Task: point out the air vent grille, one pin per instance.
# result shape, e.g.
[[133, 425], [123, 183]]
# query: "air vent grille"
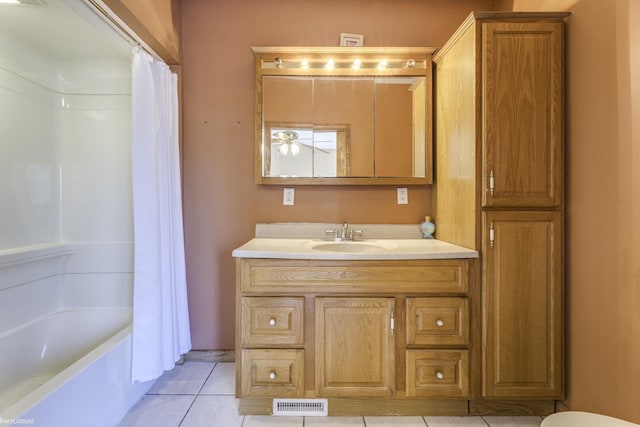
[[301, 407]]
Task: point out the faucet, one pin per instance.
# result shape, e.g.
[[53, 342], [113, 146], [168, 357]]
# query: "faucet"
[[344, 234]]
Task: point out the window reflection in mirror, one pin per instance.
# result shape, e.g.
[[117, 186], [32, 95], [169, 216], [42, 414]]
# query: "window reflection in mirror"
[[298, 151]]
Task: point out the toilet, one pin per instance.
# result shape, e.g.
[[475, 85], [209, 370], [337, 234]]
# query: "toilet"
[[583, 419]]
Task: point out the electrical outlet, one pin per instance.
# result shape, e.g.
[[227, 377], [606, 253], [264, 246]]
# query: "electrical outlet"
[[289, 196], [403, 196]]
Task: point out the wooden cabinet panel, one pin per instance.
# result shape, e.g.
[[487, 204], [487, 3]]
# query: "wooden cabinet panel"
[[455, 206], [437, 321], [522, 101], [523, 310], [437, 373], [354, 347], [507, 73], [419, 276], [272, 321], [272, 373]]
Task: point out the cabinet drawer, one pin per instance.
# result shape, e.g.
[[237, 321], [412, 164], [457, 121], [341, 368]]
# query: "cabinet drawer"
[[272, 373], [437, 321], [330, 276], [272, 321], [437, 373]]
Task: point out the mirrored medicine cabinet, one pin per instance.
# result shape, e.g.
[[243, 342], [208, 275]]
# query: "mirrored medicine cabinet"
[[343, 115]]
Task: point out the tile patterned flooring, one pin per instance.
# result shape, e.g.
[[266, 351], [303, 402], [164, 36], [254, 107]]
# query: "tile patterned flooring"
[[201, 394]]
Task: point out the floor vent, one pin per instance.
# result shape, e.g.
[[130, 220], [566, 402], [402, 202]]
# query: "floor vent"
[[301, 407]]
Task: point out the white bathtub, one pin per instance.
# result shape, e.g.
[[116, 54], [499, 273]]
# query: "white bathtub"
[[583, 419], [68, 368], [65, 334]]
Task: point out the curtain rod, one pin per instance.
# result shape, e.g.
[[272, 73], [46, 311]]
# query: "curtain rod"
[[118, 25]]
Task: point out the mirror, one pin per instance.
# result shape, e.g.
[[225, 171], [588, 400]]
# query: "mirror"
[[343, 115]]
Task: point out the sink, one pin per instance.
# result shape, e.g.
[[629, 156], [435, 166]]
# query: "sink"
[[349, 247]]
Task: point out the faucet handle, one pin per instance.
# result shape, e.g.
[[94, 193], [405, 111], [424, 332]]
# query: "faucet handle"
[[334, 234], [356, 234]]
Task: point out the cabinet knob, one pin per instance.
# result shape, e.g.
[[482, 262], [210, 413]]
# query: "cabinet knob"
[[272, 322], [439, 323], [272, 375], [439, 375]]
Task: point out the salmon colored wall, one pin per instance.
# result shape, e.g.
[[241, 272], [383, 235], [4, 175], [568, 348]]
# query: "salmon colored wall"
[[157, 22], [394, 133], [356, 110], [603, 206], [222, 203], [289, 100]]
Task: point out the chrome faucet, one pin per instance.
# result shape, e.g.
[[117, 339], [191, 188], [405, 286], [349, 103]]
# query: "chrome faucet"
[[344, 234]]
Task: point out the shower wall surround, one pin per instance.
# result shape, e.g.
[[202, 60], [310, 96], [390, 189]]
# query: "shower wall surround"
[[65, 169]]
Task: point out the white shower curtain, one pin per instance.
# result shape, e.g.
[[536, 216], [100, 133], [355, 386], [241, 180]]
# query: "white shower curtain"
[[160, 312]]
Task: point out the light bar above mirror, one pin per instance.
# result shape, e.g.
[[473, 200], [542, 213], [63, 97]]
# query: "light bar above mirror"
[[353, 61]]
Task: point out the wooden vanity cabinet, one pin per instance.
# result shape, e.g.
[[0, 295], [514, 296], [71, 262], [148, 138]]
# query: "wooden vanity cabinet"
[[523, 305], [373, 337], [499, 119], [354, 346]]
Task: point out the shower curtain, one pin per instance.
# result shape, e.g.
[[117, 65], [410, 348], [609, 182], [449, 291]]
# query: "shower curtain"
[[160, 313]]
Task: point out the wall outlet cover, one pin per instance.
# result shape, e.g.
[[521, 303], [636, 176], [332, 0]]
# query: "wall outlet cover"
[[288, 198], [403, 196]]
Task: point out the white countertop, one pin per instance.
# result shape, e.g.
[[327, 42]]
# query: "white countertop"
[[389, 249]]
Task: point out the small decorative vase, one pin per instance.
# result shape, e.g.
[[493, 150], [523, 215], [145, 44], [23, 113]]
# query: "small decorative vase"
[[427, 228]]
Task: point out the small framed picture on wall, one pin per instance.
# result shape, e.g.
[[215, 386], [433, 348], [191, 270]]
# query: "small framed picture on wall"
[[347, 39]]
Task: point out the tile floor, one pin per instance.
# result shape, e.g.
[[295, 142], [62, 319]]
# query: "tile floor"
[[201, 394]]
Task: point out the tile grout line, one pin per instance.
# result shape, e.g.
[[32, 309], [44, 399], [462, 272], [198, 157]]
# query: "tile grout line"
[[197, 394]]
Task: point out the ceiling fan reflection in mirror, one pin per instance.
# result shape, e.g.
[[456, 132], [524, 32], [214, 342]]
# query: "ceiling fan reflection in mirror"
[[290, 143]]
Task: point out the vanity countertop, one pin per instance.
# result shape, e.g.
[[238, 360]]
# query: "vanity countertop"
[[368, 249]]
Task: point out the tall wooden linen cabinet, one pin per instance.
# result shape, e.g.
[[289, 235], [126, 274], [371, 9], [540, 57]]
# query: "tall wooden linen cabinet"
[[499, 137]]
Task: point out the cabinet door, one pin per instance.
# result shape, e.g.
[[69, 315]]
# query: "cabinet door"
[[522, 118], [354, 346], [523, 304]]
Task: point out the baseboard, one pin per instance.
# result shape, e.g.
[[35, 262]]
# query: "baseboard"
[[511, 407], [210, 356], [344, 407]]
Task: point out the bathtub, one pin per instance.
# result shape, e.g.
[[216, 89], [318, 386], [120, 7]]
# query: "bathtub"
[[583, 419], [70, 367], [65, 334]]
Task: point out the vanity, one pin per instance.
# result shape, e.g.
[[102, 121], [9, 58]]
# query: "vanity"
[[379, 326], [471, 324]]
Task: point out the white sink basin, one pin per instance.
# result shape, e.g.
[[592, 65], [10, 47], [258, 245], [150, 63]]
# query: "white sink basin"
[[350, 246]]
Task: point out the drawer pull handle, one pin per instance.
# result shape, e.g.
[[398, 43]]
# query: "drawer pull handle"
[[439, 375], [272, 322], [272, 375], [439, 323], [492, 183]]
